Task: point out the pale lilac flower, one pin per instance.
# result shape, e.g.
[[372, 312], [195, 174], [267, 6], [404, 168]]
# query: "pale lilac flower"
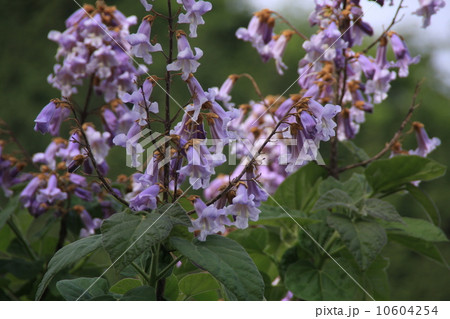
[[146, 5], [278, 49], [50, 118], [210, 220], [52, 193], [146, 199], [193, 15], [325, 119], [28, 194], [427, 9], [401, 52], [90, 224], [260, 29], [426, 145], [243, 207], [140, 42], [99, 144], [186, 61]]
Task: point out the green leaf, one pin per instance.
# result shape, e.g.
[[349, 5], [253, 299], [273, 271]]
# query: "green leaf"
[[420, 246], [380, 209], [20, 268], [176, 214], [126, 236], [376, 279], [356, 187], [300, 190], [124, 285], [82, 288], [66, 256], [359, 154], [390, 174], [426, 202], [228, 262], [143, 293], [364, 239], [195, 284], [276, 216], [252, 239], [417, 228], [11, 207], [335, 198], [310, 283]]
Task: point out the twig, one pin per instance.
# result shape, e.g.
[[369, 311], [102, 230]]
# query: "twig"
[[394, 21], [394, 139], [100, 176], [301, 35]]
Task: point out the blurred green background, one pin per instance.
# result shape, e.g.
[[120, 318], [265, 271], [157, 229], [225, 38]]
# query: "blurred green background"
[[27, 57]]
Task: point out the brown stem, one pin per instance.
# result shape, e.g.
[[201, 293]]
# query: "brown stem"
[[168, 79], [301, 35], [394, 139], [394, 21], [85, 112], [87, 146]]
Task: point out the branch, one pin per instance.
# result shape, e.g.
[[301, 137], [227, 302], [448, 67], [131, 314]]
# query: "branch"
[[394, 139], [394, 21], [301, 35], [100, 176]]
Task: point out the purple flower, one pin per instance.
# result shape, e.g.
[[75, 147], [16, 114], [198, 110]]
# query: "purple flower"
[[260, 29], [140, 41], [427, 9], [52, 193], [426, 145], [288, 297], [278, 49], [90, 224], [186, 61], [210, 220], [198, 96], [146, 199], [402, 54], [99, 144], [259, 194], [146, 5], [50, 118], [243, 207], [223, 94], [193, 15], [325, 119], [27, 195]]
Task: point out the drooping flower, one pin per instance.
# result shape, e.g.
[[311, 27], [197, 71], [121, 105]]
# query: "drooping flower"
[[140, 41], [193, 15], [50, 118], [427, 9], [243, 207], [186, 61], [90, 224], [51, 193], [404, 59], [146, 199], [425, 144], [210, 220]]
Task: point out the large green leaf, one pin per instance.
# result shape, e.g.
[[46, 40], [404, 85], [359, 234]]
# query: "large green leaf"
[[380, 209], [390, 174], [308, 282], [252, 239], [426, 202], [358, 153], [228, 262], [364, 239], [176, 214], [356, 186], [299, 190], [66, 256], [277, 216], [417, 228], [335, 198], [195, 284], [11, 207], [126, 236], [423, 247], [82, 288], [124, 285]]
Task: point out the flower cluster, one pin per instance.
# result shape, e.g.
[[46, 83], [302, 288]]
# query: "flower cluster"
[[94, 47], [275, 136]]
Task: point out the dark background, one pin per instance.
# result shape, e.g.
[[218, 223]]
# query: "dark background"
[[27, 57]]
